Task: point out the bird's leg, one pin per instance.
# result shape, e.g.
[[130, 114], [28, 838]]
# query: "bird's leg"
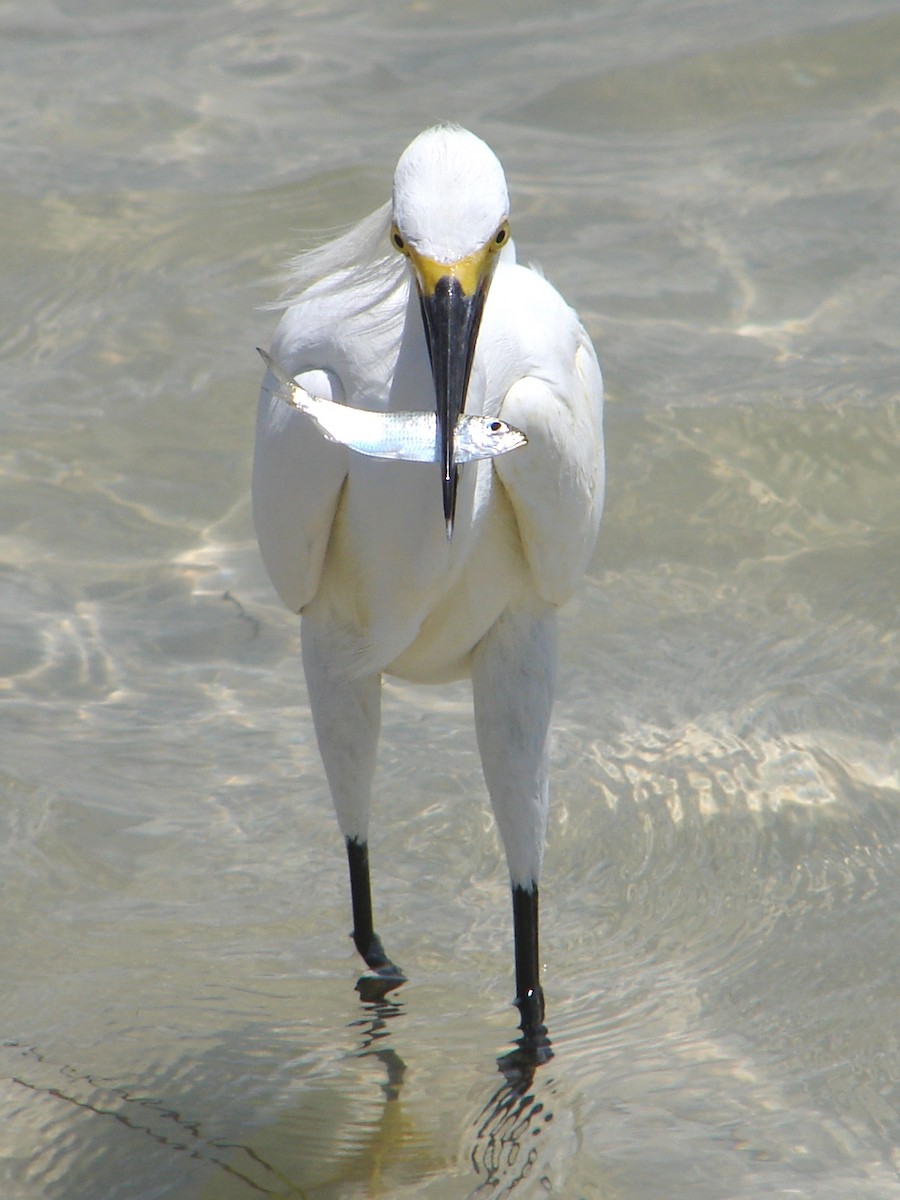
[[385, 975], [364, 936], [529, 993], [347, 716], [513, 675]]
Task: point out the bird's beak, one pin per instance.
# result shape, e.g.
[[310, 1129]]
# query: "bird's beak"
[[452, 296]]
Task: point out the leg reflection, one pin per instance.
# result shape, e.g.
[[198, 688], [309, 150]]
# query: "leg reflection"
[[508, 1129], [375, 1028]]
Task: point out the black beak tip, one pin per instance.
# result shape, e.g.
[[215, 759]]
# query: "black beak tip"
[[449, 496]]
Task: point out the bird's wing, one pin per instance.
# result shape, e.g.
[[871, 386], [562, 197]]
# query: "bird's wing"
[[297, 479], [555, 484], [341, 332]]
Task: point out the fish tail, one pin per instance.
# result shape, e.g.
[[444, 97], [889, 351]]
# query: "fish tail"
[[287, 389]]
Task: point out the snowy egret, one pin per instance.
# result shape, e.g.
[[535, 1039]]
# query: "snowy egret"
[[422, 307]]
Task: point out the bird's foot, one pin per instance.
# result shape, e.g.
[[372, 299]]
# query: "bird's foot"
[[533, 1048], [373, 986], [382, 976]]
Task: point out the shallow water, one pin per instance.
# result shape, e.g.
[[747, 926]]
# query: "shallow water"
[[714, 188]]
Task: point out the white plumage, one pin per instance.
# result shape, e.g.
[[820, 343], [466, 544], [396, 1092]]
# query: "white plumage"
[[360, 547]]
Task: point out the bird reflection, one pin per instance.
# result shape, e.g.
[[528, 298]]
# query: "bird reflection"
[[333, 1140], [375, 1029], [506, 1146], [394, 1148]]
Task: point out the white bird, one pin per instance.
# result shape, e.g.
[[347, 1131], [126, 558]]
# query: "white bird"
[[431, 572]]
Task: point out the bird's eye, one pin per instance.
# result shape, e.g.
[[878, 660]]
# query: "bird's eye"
[[501, 235], [397, 240]]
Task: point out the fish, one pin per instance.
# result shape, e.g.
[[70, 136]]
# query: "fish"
[[406, 436]]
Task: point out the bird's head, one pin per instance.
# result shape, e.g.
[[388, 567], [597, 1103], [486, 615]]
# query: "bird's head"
[[450, 219]]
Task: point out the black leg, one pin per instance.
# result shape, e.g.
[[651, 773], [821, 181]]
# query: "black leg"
[[529, 994], [367, 941]]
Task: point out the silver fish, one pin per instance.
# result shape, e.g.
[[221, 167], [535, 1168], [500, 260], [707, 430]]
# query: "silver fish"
[[410, 436]]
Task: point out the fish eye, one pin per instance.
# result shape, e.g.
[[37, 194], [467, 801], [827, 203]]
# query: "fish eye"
[[495, 426]]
